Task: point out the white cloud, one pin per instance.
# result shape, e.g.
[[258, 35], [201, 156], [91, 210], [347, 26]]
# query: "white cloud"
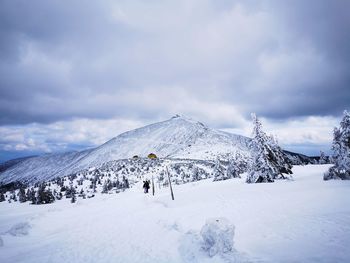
[[82, 133], [63, 136], [314, 132]]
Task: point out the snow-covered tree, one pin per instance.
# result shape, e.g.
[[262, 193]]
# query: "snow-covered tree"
[[22, 197], [195, 175], [74, 198], [279, 159], [219, 173], [13, 196], [269, 162], [70, 191], [57, 195], [43, 195], [237, 165], [105, 187], [323, 158], [2, 197], [341, 151], [93, 185], [125, 182], [31, 195], [82, 193]]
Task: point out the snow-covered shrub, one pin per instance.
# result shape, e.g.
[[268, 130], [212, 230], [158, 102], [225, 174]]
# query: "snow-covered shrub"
[[217, 236], [341, 151], [1, 242]]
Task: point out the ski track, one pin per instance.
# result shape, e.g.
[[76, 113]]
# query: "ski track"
[[302, 220]]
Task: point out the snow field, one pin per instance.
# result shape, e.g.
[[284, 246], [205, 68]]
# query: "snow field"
[[301, 220]]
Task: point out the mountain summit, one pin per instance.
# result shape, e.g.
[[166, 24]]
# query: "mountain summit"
[[178, 137]]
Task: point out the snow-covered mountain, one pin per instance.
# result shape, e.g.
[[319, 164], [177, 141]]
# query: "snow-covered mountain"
[[178, 137]]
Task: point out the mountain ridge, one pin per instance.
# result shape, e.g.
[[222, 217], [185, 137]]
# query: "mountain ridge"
[[177, 137]]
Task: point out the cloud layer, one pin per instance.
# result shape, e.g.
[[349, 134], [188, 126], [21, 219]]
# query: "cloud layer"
[[143, 61]]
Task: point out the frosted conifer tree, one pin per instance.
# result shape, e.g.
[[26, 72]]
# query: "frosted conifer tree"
[[236, 166], [22, 195], [195, 174], [341, 151], [323, 158], [279, 159], [74, 198], [13, 196], [44, 196], [219, 171], [231, 169], [105, 187], [2, 197], [125, 182], [32, 195], [269, 162]]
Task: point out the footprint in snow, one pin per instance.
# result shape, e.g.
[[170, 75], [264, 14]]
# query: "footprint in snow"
[[170, 226]]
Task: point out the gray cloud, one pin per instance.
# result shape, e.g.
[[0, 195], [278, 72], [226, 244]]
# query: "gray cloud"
[[319, 32], [216, 61], [281, 59]]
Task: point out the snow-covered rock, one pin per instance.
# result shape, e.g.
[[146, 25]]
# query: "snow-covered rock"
[[217, 236]]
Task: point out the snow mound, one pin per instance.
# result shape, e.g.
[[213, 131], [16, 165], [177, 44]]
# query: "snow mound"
[[214, 242], [20, 229], [217, 235], [1, 242]]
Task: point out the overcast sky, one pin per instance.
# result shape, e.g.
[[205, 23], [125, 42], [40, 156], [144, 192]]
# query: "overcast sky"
[[74, 74]]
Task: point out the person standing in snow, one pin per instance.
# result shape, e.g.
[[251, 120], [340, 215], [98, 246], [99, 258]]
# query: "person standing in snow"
[[146, 186]]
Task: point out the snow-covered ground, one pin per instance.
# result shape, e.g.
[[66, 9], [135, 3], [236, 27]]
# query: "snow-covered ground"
[[304, 220]]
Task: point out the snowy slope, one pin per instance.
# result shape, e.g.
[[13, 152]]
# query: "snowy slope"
[[42, 167], [179, 137], [304, 220]]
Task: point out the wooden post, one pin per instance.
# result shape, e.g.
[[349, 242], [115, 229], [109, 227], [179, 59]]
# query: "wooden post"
[[171, 188], [152, 185]]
